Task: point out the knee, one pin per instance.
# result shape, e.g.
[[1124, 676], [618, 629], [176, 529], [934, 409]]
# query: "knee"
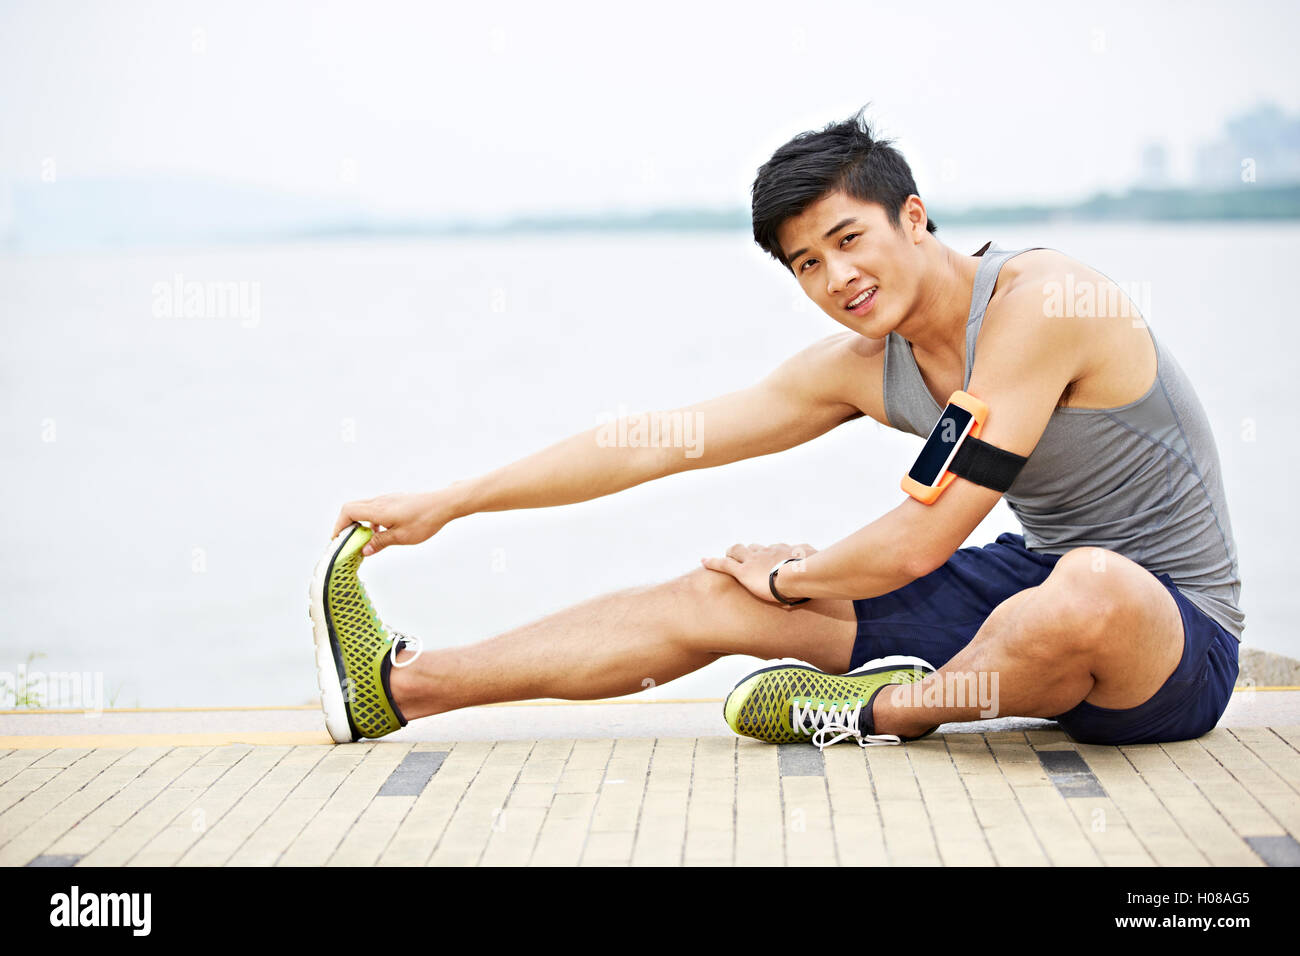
[[1084, 595], [706, 588], [703, 602]]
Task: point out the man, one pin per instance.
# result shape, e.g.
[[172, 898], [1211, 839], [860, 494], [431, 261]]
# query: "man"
[[1116, 612]]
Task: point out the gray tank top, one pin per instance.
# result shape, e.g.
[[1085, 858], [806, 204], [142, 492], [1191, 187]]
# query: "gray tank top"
[[1141, 479]]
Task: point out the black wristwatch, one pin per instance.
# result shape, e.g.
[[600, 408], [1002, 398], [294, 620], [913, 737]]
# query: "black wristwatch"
[[771, 583]]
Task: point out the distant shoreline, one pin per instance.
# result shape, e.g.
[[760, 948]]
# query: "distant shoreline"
[[92, 214], [1246, 203]]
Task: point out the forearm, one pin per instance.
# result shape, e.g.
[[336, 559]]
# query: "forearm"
[[579, 468], [872, 561]]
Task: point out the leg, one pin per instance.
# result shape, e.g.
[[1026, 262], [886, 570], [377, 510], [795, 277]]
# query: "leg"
[[1100, 628], [619, 643]]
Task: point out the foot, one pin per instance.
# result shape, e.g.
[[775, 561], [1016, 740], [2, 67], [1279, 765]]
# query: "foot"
[[793, 701], [353, 647]]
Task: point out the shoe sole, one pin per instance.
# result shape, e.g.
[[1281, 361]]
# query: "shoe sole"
[[330, 673]]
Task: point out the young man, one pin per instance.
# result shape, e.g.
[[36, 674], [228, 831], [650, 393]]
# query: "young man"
[[1116, 612]]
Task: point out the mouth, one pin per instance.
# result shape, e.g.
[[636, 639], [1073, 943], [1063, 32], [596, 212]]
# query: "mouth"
[[863, 301]]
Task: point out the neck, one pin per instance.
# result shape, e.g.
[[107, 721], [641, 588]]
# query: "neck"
[[937, 328]]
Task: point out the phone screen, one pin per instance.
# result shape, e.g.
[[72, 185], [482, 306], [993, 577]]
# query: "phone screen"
[[946, 435]]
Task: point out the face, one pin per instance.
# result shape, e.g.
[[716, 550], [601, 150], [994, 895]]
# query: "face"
[[840, 248]]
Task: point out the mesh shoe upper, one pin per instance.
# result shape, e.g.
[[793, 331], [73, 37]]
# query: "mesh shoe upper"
[[797, 702], [361, 644]]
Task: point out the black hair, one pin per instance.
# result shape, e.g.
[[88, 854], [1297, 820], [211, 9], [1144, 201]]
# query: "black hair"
[[845, 156]]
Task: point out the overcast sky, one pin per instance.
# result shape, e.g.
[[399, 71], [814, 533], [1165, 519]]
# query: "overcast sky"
[[473, 109]]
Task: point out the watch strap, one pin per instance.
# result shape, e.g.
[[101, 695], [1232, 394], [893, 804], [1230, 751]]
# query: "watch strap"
[[771, 584]]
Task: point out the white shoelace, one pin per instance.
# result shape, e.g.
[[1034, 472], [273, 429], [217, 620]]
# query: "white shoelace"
[[403, 642], [839, 719]]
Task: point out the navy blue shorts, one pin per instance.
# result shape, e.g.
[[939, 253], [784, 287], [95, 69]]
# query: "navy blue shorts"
[[935, 616]]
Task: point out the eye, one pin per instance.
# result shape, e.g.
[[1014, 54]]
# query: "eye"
[[853, 235]]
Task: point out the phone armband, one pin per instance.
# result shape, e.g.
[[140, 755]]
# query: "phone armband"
[[954, 449]]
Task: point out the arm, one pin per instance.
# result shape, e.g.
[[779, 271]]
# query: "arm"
[[794, 404], [1024, 365]]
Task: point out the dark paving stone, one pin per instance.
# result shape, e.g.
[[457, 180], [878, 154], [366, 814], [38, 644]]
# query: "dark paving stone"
[[413, 773], [1063, 761], [1276, 850], [429, 760], [800, 760], [1070, 774]]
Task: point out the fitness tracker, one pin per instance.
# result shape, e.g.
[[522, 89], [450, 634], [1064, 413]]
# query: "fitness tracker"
[[953, 449], [771, 584]]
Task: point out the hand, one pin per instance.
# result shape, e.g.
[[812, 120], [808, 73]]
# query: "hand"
[[396, 519], [752, 565]]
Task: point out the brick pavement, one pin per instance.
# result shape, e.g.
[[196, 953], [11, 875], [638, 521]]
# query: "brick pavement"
[[1024, 797]]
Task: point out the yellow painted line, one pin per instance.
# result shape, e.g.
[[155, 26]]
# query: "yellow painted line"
[[1247, 689], [158, 710], [214, 710], [263, 738]]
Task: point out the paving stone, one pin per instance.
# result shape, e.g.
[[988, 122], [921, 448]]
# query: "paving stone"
[[1012, 798]]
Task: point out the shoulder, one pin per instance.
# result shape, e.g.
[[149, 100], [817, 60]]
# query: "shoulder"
[[1023, 322], [1028, 348], [1025, 285], [844, 369], [855, 370], [1037, 284]]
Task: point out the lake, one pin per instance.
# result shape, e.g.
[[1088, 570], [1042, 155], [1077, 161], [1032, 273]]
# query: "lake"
[[180, 428]]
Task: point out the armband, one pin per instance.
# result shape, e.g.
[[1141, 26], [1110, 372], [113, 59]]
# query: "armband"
[[954, 448]]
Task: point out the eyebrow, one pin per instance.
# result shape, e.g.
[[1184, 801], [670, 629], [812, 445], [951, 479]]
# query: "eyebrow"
[[829, 232]]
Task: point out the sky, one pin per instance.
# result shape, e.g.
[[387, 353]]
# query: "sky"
[[437, 109]]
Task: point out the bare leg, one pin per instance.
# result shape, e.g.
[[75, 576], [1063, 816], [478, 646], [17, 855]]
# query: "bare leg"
[[618, 643], [1100, 628]]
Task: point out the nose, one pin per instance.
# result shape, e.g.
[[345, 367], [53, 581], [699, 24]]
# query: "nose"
[[839, 274]]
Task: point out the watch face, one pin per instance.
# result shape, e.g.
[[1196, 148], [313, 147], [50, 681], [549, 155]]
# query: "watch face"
[[952, 427]]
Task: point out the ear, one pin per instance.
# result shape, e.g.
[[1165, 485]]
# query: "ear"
[[915, 217]]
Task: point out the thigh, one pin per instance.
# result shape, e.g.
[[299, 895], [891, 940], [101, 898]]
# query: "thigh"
[[1128, 618], [1186, 705], [935, 616]]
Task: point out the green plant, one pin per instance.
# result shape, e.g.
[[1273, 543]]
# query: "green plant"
[[21, 688]]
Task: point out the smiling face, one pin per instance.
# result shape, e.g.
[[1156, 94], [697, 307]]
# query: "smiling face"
[[840, 248]]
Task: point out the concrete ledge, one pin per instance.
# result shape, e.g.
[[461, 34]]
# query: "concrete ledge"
[[1266, 669]]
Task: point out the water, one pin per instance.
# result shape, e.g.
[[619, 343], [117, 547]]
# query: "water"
[[171, 481]]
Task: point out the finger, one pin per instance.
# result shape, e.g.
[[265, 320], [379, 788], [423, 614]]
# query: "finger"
[[755, 547], [378, 541], [737, 552], [725, 565], [348, 515]]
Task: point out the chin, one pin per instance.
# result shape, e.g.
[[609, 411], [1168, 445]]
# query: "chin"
[[873, 326]]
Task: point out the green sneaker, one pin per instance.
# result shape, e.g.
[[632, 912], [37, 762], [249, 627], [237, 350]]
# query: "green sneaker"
[[794, 701], [354, 650]]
